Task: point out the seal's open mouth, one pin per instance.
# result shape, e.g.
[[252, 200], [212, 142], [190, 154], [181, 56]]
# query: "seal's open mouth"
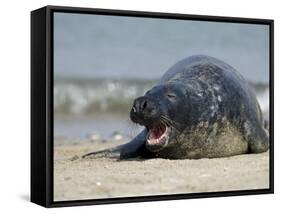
[[158, 134]]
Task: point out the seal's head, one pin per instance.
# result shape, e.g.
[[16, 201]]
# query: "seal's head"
[[163, 111]]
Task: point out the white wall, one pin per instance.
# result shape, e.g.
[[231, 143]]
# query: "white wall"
[[15, 99]]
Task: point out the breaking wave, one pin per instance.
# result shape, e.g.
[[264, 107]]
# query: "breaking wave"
[[78, 96], [94, 96]]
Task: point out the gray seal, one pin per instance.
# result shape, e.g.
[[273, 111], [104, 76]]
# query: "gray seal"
[[201, 108]]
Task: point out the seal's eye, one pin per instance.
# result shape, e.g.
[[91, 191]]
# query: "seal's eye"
[[171, 96]]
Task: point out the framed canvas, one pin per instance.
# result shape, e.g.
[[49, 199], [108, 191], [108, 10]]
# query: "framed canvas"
[[131, 106]]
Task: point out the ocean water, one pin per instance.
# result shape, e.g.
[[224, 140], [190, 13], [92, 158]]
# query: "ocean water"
[[97, 96], [84, 107], [112, 46]]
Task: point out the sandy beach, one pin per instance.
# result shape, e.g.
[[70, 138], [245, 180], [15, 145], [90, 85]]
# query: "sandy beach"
[[76, 178]]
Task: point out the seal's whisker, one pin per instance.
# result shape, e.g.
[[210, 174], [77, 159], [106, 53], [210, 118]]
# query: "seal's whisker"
[[170, 122]]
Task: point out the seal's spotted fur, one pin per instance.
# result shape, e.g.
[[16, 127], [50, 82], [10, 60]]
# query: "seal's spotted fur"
[[207, 106]]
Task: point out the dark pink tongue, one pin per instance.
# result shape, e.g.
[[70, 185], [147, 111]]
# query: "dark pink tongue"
[[156, 133], [158, 130]]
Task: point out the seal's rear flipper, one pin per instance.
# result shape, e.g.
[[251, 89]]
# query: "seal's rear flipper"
[[257, 137], [266, 125]]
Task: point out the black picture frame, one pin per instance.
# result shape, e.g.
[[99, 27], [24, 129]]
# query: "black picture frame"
[[42, 105]]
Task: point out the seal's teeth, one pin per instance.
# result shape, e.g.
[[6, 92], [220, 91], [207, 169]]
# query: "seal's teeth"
[[154, 138]]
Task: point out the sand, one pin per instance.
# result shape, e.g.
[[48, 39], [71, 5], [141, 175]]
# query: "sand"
[[77, 179]]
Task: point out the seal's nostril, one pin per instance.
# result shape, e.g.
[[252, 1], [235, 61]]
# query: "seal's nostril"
[[140, 106], [144, 104]]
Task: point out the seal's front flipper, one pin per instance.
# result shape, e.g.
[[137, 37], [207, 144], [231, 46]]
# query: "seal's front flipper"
[[109, 153], [136, 148]]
